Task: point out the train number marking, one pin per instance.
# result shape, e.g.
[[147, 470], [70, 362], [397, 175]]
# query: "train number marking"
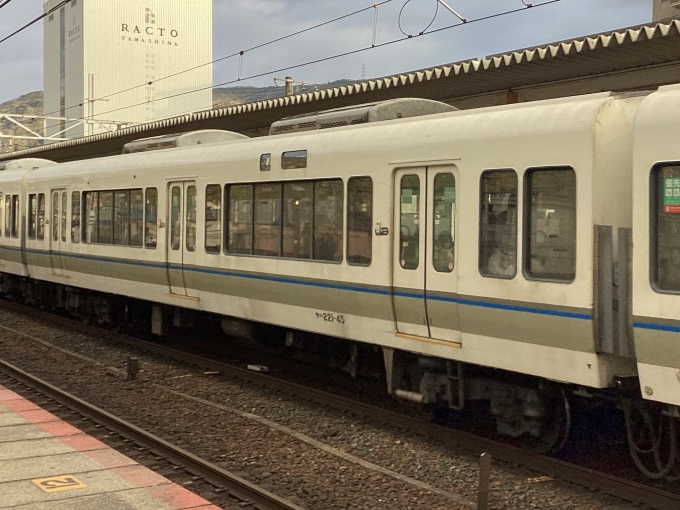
[[330, 317], [59, 483]]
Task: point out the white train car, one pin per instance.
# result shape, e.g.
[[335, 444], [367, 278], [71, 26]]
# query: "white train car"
[[477, 248], [656, 257]]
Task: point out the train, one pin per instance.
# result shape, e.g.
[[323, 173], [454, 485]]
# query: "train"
[[522, 256]]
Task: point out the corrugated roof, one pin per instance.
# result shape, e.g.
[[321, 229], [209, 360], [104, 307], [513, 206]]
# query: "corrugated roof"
[[626, 49]]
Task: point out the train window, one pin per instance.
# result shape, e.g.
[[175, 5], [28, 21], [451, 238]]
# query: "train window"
[[15, 216], [239, 228], [409, 237], [550, 224], [265, 162], [294, 159], [297, 219], [191, 219], [498, 224], [90, 219], [8, 214], [444, 219], [121, 217], [105, 217], [665, 228], [63, 216], [213, 218], [360, 221], [136, 217], [32, 215], [41, 217], [329, 202], [175, 218], [55, 216], [151, 218], [267, 220], [75, 217]]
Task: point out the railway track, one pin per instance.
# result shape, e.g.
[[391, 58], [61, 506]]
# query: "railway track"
[[246, 492], [594, 480]]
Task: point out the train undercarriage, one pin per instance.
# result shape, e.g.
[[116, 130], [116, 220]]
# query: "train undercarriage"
[[534, 412]]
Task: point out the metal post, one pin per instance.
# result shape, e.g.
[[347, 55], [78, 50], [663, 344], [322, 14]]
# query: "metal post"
[[484, 475], [289, 86], [132, 368]]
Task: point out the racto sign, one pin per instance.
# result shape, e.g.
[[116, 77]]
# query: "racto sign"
[[149, 33]]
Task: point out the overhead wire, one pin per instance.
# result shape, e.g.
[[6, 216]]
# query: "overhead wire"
[[238, 53], [31, 23], [434, 18], [2, 4], [338, 55]]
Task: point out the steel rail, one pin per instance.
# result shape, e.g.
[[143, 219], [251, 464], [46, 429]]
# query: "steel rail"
[[237, 486], [608, 484]]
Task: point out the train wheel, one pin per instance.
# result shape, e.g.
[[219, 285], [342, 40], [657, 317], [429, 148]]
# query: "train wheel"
[[556, 430], [652, 439]]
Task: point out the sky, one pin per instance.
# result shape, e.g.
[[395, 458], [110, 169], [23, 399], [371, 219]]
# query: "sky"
[[242, 24]]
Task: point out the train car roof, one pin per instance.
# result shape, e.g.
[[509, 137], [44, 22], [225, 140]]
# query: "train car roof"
[[533, 119]]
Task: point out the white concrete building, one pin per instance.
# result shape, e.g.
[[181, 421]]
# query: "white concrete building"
[[665, 9], [112, 60]]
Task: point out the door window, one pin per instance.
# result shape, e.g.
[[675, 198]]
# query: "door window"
[[41, 216], [32, 216], [175, 218], [8, 213], [443, 229], [191, 218], [409, 228], [75, 217], [63, 216], [55, 216], [15, 216]]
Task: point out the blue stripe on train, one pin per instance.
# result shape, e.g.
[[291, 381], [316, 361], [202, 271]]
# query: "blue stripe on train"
[[332, 286], [656, 327]]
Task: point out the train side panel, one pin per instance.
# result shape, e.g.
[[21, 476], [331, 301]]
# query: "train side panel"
[[656, 255]]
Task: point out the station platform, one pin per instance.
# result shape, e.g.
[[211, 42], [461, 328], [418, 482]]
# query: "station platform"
[[46, 464]]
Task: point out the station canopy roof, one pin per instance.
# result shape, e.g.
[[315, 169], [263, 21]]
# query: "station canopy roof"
[[606, 53]]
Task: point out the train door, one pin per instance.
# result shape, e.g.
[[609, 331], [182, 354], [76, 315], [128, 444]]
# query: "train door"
[[58, 230], [408, 283], [181, 232], [441, 274], [424, 276]]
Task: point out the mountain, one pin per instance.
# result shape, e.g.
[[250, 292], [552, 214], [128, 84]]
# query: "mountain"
[[28, 104], [32, 104]]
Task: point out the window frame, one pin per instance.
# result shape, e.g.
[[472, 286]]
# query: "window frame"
[[526, 226], [75, 237], [15, 226], [454, 220], [253, 184], [226, 230], [219, 221], [653, 227], [85, 196], [299, 155], [146, 245], [32, 232], [480, 224], [7, 214], [347, 212]]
